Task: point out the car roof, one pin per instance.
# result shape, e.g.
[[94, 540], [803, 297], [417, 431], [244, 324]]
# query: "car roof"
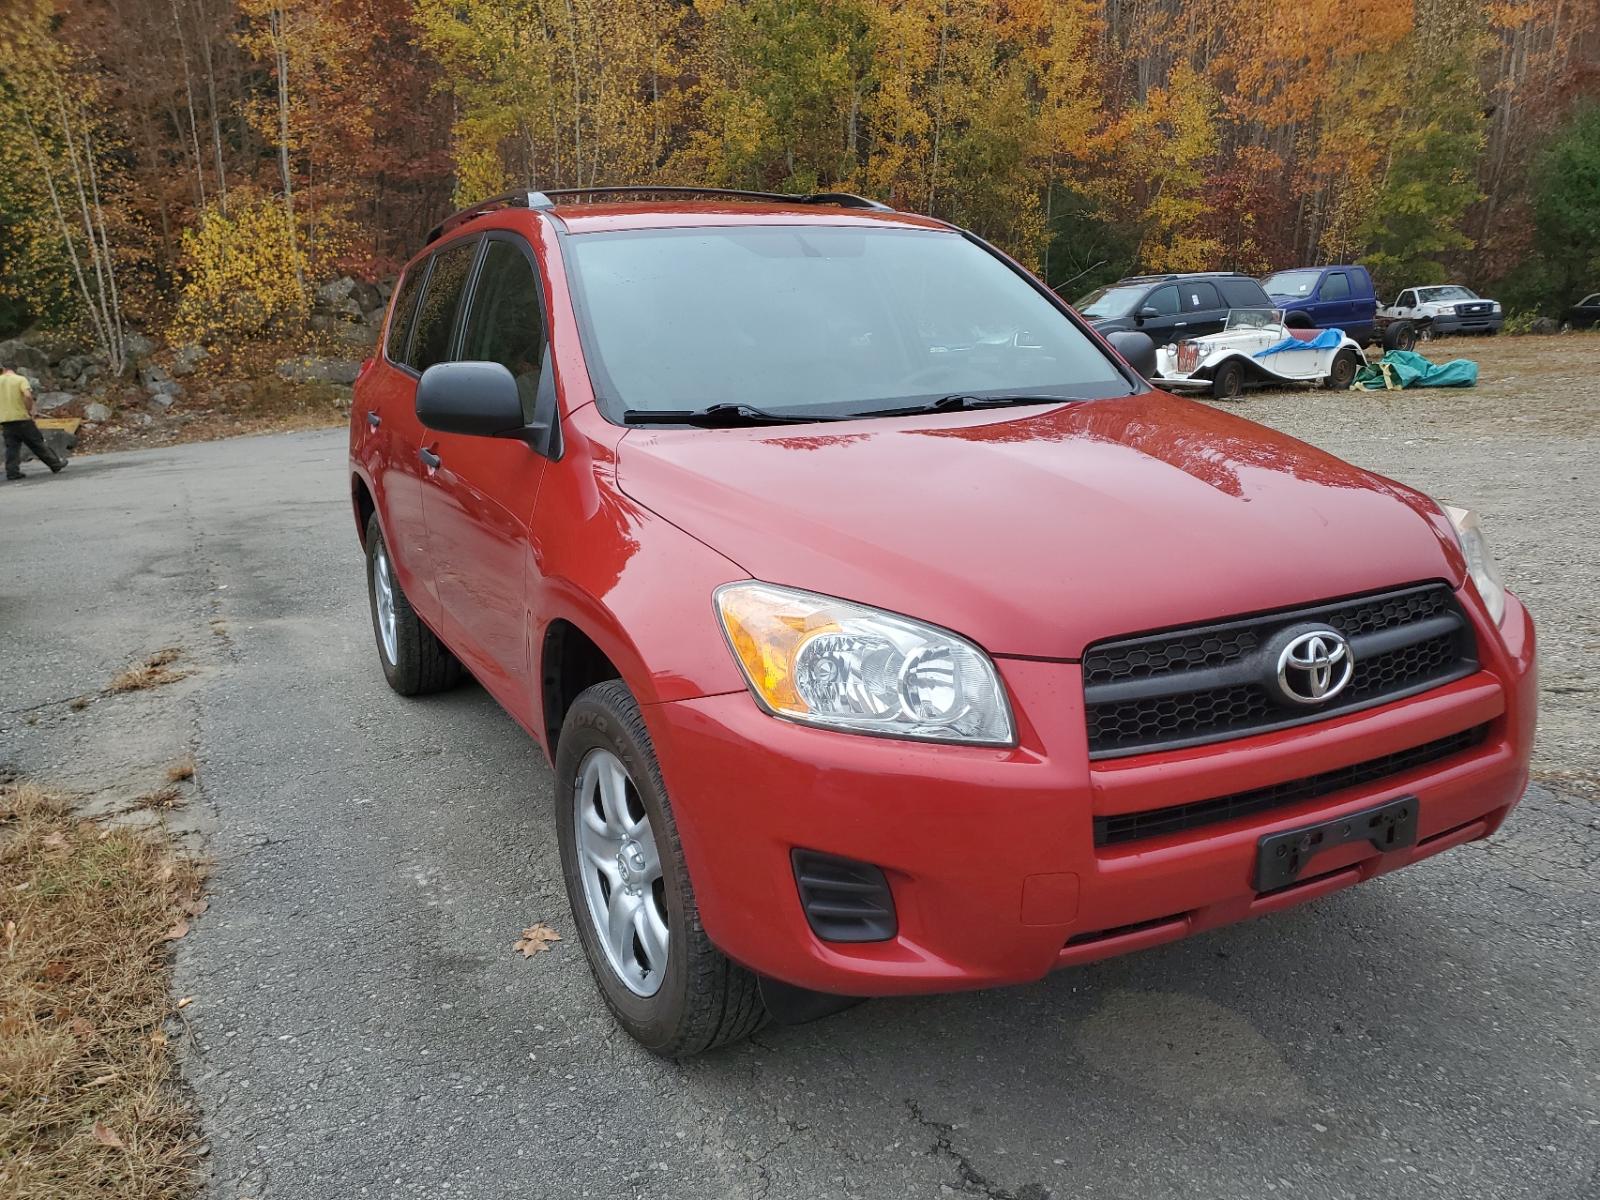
[[1182, 275], [609, 216]]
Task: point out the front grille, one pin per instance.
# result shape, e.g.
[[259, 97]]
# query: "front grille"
[[1209, 683], [1157, 822]]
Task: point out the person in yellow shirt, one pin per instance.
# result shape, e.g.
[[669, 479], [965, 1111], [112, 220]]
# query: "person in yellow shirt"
[[16, 420]]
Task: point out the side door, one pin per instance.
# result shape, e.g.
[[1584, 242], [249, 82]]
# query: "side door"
[[481, 506], [1405, 303], [1333, 301], [1158, 315], [1203, 307], [387, 407]]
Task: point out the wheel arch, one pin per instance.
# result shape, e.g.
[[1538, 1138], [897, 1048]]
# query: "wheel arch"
[[363, 503]]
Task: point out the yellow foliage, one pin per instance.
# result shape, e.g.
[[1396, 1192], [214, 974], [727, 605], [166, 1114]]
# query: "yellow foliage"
[[239, 274]]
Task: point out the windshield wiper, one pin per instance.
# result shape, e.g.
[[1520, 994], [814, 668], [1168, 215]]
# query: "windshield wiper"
[[961, 402], [719, 416]]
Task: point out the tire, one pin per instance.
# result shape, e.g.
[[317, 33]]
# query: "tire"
[[1228, 382], [701, 999], [415, 662], [1400, 335], [1343, 373]]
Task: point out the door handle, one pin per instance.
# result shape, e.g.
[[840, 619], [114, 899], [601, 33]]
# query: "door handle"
[[374, 419], [1179, 324], [429, 459]]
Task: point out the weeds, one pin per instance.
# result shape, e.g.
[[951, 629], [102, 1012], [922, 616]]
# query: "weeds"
[[155, 671], [88, 1102]]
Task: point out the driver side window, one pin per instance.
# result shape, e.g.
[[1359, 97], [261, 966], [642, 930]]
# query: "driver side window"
[[505, 323], [1407, 300], [1164, 300]]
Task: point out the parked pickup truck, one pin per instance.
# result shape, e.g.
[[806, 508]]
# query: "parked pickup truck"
[[1450, 307], [1339, 297]]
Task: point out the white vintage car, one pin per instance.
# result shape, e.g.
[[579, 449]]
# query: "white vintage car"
[[1256, 347]]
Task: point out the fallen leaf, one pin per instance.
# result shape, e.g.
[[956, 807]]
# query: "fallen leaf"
[[55, 840], [81, 1027], [10, 1025], [185, 1002], [535, 938], [102, 1079], [11, 933], [197, 906], [181, 929], [107, 1136], [158, 1039]]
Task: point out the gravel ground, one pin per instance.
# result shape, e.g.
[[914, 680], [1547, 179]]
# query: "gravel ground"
[[1523, 448]]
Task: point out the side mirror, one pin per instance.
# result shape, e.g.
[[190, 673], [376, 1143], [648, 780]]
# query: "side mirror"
[[1148, 311], [1137, 349], [476, 398]]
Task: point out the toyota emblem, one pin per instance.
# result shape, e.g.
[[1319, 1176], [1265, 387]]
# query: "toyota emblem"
[[1315, 667]]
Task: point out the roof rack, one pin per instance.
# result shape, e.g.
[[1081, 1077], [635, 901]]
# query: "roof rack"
[[527, 198]]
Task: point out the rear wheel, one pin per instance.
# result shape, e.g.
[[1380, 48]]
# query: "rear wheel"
[[415, 662], [629, 888], [1400, 335], [1228, 382], [1343, 373]]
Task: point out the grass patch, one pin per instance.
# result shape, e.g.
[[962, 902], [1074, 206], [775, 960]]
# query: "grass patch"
[[181, 770], [154, 671], [89, 1106]]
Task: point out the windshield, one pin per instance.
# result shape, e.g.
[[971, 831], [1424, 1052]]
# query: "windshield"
[[1291, 283], [1105, 303], [830, 319], [1430, 295], [1255, 318]]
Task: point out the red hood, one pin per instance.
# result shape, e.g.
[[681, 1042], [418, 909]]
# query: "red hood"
[[1035, 532]]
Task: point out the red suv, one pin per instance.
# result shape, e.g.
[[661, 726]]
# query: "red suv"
[[887, 631]]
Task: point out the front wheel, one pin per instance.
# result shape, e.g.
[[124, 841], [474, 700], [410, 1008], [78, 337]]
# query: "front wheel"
[[629, 887], [1343, 373], [1228, 382]]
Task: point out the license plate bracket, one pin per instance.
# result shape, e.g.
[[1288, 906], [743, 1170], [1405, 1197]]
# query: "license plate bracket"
[[1282, 857]]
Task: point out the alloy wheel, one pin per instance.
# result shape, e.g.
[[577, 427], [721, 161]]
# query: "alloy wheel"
[[620, 866], [383, 592]]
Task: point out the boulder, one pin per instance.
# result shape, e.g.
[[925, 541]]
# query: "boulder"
[[319, 370], [162, 400], [50, 401], [366, 295], [95, 411], [1545, 325], [186, 359], [18, 354], [336, 291], [150, 376], [137, 346], [73, 366]]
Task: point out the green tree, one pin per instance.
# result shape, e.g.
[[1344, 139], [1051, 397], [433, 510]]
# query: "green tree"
[[1566, 207], [1416, 224]]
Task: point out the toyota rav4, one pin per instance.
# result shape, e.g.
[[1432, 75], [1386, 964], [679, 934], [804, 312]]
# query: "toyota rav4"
[[887, 631]]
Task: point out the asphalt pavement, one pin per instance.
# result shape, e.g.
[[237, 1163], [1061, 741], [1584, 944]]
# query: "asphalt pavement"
[[361, 1026]]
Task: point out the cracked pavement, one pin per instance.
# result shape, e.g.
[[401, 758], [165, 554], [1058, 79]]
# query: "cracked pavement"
[[362, 1028]]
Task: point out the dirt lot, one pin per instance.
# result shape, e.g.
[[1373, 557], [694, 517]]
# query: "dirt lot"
[[1523, 448]]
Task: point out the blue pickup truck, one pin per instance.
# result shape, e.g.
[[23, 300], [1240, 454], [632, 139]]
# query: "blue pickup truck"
[[1327, 298]]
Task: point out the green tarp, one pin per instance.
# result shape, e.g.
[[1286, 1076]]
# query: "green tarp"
[[1402, 369]]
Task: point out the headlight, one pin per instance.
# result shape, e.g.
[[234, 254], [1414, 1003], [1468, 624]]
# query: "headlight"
[[1480, 562], [1496, 306], [828, 662]]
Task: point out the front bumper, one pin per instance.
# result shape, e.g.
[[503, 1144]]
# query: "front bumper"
[[990, 853], [1455, 324]]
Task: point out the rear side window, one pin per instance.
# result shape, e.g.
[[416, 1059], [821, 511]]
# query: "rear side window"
[[1164, 300], [505, 324], [405, 312], [1335, 287], [436, 318], [1200, 296], [1243, 293]]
